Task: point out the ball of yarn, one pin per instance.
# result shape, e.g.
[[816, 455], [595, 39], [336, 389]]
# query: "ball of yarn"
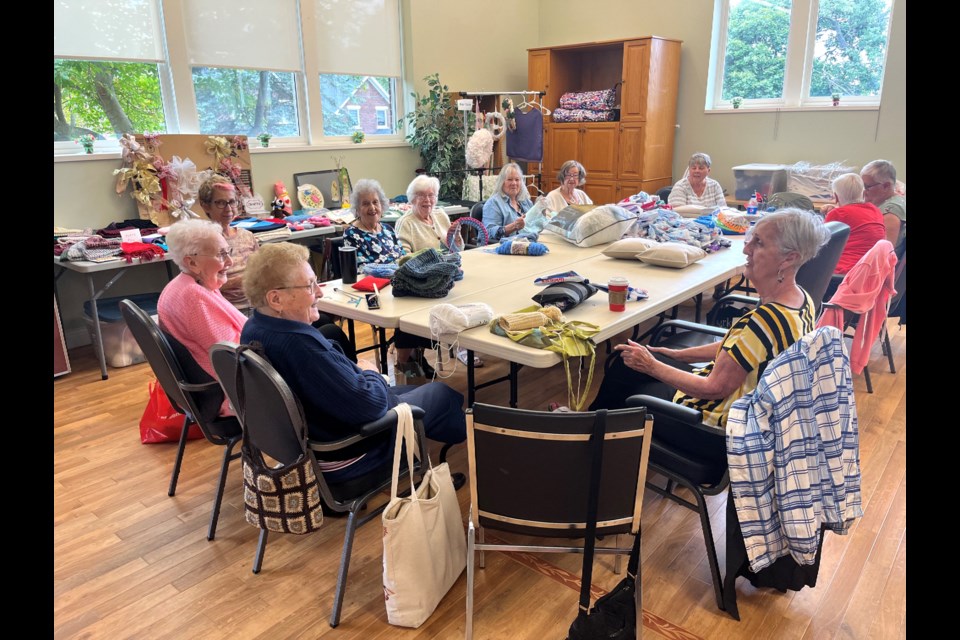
[[522, 248]]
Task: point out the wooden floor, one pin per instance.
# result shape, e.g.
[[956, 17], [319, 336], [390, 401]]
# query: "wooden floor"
[[131, 562]]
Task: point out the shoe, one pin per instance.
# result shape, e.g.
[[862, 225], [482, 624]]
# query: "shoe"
[[458, 480], [556, 407], [462, 357], [428, 371]]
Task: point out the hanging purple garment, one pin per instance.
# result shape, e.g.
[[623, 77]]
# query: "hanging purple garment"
[[526, 143]]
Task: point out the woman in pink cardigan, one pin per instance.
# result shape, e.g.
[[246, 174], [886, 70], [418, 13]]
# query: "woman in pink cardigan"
[[191, 307]]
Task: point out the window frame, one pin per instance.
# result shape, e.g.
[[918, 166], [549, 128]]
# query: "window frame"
[[179, 98], [798, 70]]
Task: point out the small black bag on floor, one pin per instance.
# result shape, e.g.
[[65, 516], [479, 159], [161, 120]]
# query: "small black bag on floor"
[[614, 616]]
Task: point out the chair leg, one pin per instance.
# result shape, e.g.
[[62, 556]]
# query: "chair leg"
[[866, 378], [711, 549], [344, 567], [443, 452], [172, 490], [483, 559], [218, 499], [638, 595], [261, 547], [471, 550], [885, 341], [617, 558]]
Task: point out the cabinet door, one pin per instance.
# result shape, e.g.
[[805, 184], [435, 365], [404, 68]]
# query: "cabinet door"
[[538, 70], [601, 191], [598, 149], [630, 164], [629, 188], [564, 145], [636, 64]]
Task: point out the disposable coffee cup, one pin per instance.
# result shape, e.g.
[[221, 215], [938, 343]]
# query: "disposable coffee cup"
[[617, 293], [348, 264]]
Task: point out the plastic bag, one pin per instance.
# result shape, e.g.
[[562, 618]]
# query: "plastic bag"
[[161, 422]]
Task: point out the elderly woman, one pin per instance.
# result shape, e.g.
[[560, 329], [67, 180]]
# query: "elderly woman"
[[503, 211], [376, 243], [337, 395], [864, 219], [571, 175], [696, 187], [218, 199], [778, 245], [426, 225], [191, 307]]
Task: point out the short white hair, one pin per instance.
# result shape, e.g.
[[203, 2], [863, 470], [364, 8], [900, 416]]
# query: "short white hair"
[[189, 237], [849, 188], [422, 183]]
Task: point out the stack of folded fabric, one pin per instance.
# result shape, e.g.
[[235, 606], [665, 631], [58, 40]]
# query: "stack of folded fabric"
[[425, 275], [587, 106]]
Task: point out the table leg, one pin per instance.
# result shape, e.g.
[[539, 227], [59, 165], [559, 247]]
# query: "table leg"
[[471, 380], [382, 338], [98, 338], [514, 370]]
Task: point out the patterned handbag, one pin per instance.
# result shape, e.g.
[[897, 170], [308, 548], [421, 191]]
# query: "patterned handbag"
[[284, 499]]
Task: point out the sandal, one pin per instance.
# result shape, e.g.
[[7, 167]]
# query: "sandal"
[[556, 407], [462, 357]]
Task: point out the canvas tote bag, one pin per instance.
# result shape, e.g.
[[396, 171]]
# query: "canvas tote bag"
[[424, 544]]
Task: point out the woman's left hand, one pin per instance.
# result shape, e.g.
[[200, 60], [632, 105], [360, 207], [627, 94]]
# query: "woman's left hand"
[[637, 357]]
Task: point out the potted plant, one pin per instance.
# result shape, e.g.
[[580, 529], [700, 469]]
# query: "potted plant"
[[836, 99], [264, 139], [736, 101], [358, 137], [436, 131], [86, 140]]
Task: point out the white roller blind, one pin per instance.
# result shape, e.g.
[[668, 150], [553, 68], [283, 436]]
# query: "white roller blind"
[[359, 37], [107, 29], [253, 34]]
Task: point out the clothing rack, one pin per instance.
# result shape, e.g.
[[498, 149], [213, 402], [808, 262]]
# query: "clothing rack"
[[466, 133], [481, 170]]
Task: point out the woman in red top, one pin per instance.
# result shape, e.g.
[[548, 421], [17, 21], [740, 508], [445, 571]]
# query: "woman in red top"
[[864, 219]]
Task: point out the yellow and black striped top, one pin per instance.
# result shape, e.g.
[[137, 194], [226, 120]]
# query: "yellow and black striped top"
[[753, 341]]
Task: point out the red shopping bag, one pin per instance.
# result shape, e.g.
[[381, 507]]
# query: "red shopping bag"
[[161, 422]]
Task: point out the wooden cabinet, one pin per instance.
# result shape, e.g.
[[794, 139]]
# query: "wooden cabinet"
[[623, 157]]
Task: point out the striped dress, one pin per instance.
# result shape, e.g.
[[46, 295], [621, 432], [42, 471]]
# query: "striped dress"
[[753, 342]]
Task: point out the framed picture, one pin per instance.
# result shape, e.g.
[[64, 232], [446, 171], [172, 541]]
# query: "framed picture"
[[333, 184]]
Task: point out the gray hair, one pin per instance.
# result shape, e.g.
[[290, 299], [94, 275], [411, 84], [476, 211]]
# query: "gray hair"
[[364, 187], [422, 183], [798, 230], [849, 188], [189, 237], [699, 158], [570, 164], [882, 170], [502, 177], [272, 267]]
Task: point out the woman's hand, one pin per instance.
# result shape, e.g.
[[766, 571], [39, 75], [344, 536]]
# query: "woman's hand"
[[515, 226], [637, 357]]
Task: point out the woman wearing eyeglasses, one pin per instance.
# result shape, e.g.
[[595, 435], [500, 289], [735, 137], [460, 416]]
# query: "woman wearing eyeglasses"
[[218, 199], [191, 307], [571, 175]]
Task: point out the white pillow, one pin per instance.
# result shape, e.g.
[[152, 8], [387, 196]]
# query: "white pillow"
[[586, 225], [628, 248], [675, 255]]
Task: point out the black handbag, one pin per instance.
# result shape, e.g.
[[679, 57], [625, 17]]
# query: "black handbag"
[[565, 295], [284, 499], [613, 616]]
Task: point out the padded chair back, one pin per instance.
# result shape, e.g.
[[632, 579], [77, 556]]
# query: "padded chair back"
[[476, 211], [271, 415], [900, 284], [814, 276], [784, 199], [177, 371], [530, 470], [664, 193], [331, 256]]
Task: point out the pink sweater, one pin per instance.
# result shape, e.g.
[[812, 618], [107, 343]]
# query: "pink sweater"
[[198, 318], [865, 290]]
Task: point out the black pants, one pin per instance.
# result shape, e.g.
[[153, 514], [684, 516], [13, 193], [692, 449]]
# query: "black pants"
[[620, 382]]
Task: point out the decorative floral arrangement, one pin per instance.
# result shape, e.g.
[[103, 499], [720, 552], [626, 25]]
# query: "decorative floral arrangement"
[[264, 139], [509, 113], [358, 136], [86, 140]]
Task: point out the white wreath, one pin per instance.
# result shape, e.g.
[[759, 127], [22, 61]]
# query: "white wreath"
[[479, 148], [496, 123]]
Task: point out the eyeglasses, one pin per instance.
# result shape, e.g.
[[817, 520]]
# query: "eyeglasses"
[[870, 186], [429, 195], [222, 255], [223, 204], [571, 175], [310, 286]]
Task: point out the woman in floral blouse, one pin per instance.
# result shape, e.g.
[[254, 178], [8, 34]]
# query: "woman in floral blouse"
[[376, 243]]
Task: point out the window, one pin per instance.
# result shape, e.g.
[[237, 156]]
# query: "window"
[[222, 67], [798, 53]]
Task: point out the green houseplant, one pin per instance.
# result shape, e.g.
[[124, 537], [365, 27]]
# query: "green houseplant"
[[436, 131]]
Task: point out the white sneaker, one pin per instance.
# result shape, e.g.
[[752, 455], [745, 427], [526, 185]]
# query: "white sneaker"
[[462, 357]]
